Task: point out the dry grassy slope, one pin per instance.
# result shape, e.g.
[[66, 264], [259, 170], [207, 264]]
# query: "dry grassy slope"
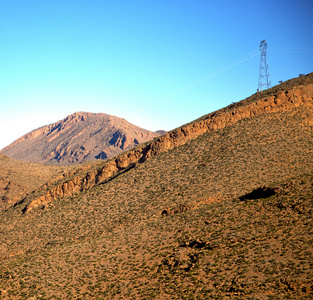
[[288, 96], [79, 137], [17, 179], [176, 226]]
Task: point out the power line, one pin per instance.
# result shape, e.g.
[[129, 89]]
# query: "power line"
[[236, 63], [213, 74], [290, 49]]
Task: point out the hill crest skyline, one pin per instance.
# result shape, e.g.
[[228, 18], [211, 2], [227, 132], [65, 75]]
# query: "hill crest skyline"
[[79, 137]]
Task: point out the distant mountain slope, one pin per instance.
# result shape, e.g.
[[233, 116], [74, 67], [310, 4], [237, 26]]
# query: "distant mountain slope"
[[79, 137]]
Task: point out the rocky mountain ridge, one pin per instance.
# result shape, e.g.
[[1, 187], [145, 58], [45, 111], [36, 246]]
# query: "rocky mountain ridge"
[[79, 137]]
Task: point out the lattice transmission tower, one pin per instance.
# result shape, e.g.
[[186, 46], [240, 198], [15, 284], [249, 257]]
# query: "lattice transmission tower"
[[264, 75]]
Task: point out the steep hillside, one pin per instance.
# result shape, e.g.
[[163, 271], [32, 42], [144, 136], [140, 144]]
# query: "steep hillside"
[[220, 208], [77, 138], [18, 179]]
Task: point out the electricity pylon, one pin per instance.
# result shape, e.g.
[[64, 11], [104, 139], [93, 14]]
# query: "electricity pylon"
[[264, 75]]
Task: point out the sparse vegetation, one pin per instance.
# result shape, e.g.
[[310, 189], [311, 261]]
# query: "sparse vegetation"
[[223, 236]]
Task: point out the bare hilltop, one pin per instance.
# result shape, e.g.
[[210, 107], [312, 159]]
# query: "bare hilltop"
[[79, 137], [220, 208]]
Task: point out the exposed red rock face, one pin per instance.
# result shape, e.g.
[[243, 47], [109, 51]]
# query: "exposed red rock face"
[[79, 137]]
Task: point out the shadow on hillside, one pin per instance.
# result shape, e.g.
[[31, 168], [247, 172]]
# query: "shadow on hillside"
[[259, 193]]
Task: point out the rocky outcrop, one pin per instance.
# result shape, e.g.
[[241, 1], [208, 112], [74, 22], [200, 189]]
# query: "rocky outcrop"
[[10, 192], [78, 138], [263, 103]]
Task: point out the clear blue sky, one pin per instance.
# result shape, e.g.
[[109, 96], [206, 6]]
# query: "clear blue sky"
[[158, 64]]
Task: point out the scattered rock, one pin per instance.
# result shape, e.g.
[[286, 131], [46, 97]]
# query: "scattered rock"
[[176, 210]]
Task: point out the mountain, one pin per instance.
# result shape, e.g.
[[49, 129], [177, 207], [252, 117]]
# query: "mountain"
[[220, 208], [79, 137]]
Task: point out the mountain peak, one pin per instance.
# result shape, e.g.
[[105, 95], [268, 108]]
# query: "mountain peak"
[[79, 137]]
